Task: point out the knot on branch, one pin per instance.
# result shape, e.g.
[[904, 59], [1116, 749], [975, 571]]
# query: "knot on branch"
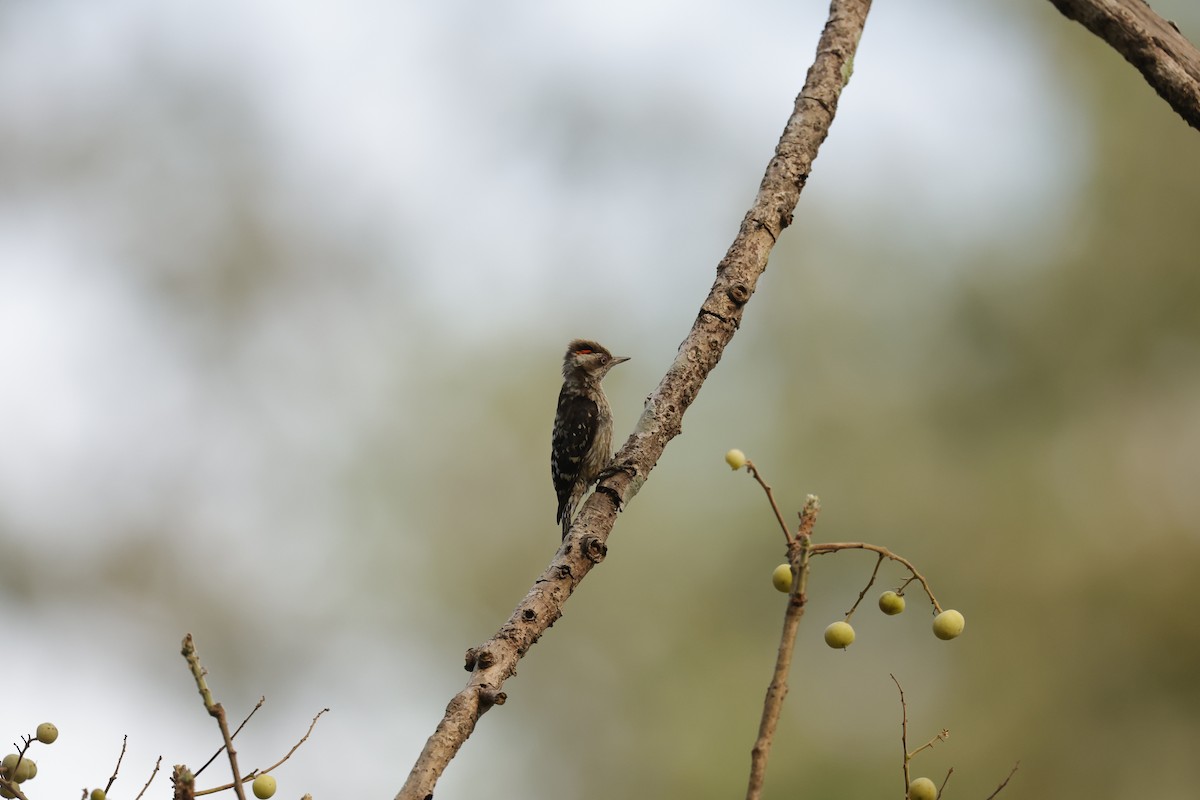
[[489, 696], [528, 615], [739, 294], [478, 658], [591, 548]]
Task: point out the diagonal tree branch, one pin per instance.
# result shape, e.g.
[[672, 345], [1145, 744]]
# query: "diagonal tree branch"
[[493, 662], [1167, 60]]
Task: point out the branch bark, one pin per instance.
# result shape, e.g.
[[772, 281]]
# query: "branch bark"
[[1167, 60], [493, 662]]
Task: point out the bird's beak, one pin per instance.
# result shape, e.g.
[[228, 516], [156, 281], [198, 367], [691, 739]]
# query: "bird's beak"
[[619, 360]]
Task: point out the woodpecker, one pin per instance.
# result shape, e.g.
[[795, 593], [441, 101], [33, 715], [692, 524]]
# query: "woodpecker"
[[580, 447]]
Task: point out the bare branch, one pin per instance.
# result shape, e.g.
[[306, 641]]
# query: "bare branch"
[[833, 547], [945, 780], [113, 778], [777, 690], [271, 768], [262, 699], [903, 730], [1167, 60], [942, 736], [215, 709], [1004, 782], [493, 662], [867, 588], [157, 764], [753, 470]]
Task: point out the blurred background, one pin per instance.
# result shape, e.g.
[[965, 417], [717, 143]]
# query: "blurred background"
[[284, 288]]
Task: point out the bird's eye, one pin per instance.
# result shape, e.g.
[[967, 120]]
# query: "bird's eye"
[[603, 359]]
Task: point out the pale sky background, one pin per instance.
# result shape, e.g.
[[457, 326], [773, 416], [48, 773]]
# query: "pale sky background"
[[504, 166]]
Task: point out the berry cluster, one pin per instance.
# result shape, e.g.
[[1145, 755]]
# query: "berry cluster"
[[839, 635], [16, 768]]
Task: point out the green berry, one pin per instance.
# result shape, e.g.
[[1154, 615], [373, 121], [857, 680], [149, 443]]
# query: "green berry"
[[97, 794], [782, 578], [6, 792], [47, 733], [891, 603], [948, 624], [9, 764], [25, 770], [839, 635], [264, 787], [736, 459], [922, 789]]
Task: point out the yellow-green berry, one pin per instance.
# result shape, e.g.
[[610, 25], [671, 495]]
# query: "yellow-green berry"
[[839, 635], [782, 577], [948, 624], [736, 459], [47, 733], [6, 792], [922, 789], [264, 787], [891, 603], [9, 764], [25, 770], [97, 794]]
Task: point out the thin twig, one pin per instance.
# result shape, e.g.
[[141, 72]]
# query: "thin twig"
[[945, 780], [798, 553], [866, 588], [113, 778], [787, 535], [1004, 782], [833, 547], [303, 739], [271, 768], [942, 736], [152, 774], [903, 730], [7, 780], [262, 699], [215, 710]]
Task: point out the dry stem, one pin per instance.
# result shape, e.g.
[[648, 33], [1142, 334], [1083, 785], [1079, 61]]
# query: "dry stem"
[[215, 710], [753, 470], [153, 772], [1004, 782], [1167, 60], [833, 547], [798, 554]]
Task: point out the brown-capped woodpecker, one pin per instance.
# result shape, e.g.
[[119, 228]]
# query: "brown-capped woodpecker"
[[580, 447]]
